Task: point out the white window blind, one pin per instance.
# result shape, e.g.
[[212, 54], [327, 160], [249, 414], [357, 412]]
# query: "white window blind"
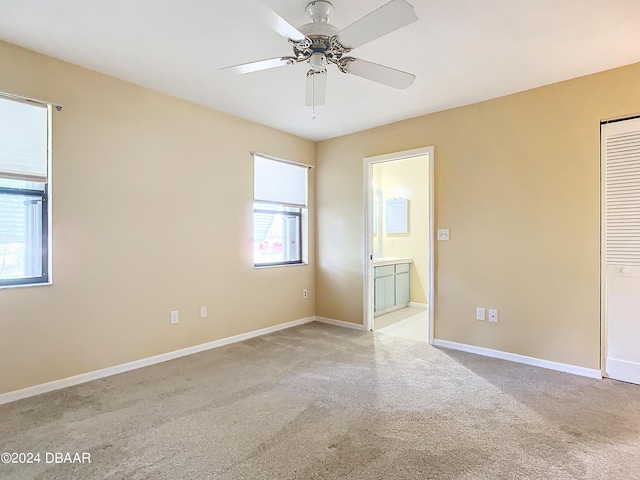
[[279, 182], [622, 192], [23, 140]]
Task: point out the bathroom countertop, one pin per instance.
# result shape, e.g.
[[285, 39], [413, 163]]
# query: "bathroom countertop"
[[381, 261]]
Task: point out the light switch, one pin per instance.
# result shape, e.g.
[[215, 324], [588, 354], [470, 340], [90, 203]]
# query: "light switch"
[[443, 234]]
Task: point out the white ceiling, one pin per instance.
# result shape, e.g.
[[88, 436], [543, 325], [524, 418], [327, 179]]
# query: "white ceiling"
[[462, 51]]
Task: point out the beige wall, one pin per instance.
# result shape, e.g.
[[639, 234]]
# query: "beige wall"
[[152, 211], [408, 178], [517, 182]]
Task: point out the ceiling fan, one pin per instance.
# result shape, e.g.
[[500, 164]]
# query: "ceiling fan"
[[319, 44]]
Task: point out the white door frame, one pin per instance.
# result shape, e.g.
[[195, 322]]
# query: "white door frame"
[[603, 262], [368, 231]]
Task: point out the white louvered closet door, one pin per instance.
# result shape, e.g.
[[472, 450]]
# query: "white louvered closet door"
[[621, 248]]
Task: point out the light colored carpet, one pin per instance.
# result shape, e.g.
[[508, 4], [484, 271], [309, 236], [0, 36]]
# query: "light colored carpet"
[[321, 402]]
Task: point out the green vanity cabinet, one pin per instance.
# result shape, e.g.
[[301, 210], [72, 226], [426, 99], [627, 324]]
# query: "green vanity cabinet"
[[384, 287], [391, 286], [402, 284]]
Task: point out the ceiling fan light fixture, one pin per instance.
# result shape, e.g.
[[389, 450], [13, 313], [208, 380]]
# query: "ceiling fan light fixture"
[[318, 62]]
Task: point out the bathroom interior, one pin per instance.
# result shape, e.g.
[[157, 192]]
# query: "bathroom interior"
[[400, 241]]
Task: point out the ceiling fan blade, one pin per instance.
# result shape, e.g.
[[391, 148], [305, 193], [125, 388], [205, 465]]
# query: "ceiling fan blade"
[[316, 89], [261, 65], [379, 73], [277, 23], [386, 19]]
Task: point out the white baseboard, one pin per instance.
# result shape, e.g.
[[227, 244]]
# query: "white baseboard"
[[340, 323], [623, 370], [145, 362], [514, 357], [419, 305]]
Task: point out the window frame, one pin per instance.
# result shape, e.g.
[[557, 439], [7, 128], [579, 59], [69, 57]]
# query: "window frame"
[[288, 207], [44, 195], [298, 214]]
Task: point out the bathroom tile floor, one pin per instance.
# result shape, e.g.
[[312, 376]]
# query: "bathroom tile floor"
[[409, 322]]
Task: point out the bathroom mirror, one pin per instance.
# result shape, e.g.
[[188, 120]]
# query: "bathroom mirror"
[[397, 217]]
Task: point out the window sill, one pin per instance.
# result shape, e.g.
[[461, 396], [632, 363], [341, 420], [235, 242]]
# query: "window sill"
[[262, 267], [24, 285]]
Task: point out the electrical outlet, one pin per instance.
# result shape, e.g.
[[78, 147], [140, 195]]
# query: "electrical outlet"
[[174, 316], [203, 312], [305, 293], [493, 316], [480, 313]]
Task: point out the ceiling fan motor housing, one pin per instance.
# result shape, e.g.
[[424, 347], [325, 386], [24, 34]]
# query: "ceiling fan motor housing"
[[315, 29]]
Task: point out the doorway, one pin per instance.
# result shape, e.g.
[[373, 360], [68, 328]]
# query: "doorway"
[[620, 243], [399, 258]]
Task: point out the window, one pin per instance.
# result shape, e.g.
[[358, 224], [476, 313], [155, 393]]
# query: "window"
[[279, 214], [24, 219]]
